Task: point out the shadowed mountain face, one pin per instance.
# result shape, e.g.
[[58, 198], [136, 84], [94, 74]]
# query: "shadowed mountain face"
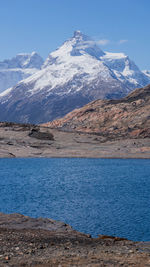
[[128, 117], [73, 75]]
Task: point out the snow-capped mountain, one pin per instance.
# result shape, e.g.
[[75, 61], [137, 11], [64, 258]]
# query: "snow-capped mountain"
[[73, 75], [125, 70], [18, 68]]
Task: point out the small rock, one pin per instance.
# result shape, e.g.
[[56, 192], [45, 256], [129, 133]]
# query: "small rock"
[[36, 133], [7, 258], [66, 248], [41, 247]]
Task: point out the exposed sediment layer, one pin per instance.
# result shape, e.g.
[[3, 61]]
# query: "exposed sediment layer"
[[25, 140]]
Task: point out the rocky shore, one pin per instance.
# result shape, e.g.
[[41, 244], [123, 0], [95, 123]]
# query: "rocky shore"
[[25, 241], [26, 140]]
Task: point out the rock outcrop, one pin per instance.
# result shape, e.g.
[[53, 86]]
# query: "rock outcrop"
[[36, 133]]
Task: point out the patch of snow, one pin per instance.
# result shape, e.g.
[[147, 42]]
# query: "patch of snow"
[[110, 56], [146, 72], [6, 92]]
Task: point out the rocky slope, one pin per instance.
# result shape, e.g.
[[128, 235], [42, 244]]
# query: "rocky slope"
[[18, 68], [44, 242], [128, 117], [72, 76]]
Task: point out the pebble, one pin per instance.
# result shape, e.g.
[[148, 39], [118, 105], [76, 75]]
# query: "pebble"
[[131, 251], [66, 248], [7, 258], [41, 247]]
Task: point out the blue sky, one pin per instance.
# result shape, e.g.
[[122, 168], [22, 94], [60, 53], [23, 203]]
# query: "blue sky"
[[43, 25]]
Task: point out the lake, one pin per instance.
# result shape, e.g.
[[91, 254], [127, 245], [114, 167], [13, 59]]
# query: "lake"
[[95, 196]]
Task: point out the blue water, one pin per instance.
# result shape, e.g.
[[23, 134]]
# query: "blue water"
[[96, 196]]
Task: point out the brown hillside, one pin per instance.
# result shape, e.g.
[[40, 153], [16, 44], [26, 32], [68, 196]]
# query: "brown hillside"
[[128, 117]]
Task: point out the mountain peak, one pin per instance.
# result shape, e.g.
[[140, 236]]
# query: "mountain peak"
[[84, 44], [23, 61], [78, 34], [79, 45]]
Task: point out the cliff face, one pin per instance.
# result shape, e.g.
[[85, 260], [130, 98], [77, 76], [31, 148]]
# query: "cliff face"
[[128, 117]]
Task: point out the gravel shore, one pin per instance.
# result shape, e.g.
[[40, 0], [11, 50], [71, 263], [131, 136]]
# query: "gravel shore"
[[25, 241]]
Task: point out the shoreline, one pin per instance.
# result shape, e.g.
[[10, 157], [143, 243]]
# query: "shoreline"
[[71, 157]]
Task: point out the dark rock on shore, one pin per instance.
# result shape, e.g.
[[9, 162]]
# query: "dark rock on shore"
[[36, 133]]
